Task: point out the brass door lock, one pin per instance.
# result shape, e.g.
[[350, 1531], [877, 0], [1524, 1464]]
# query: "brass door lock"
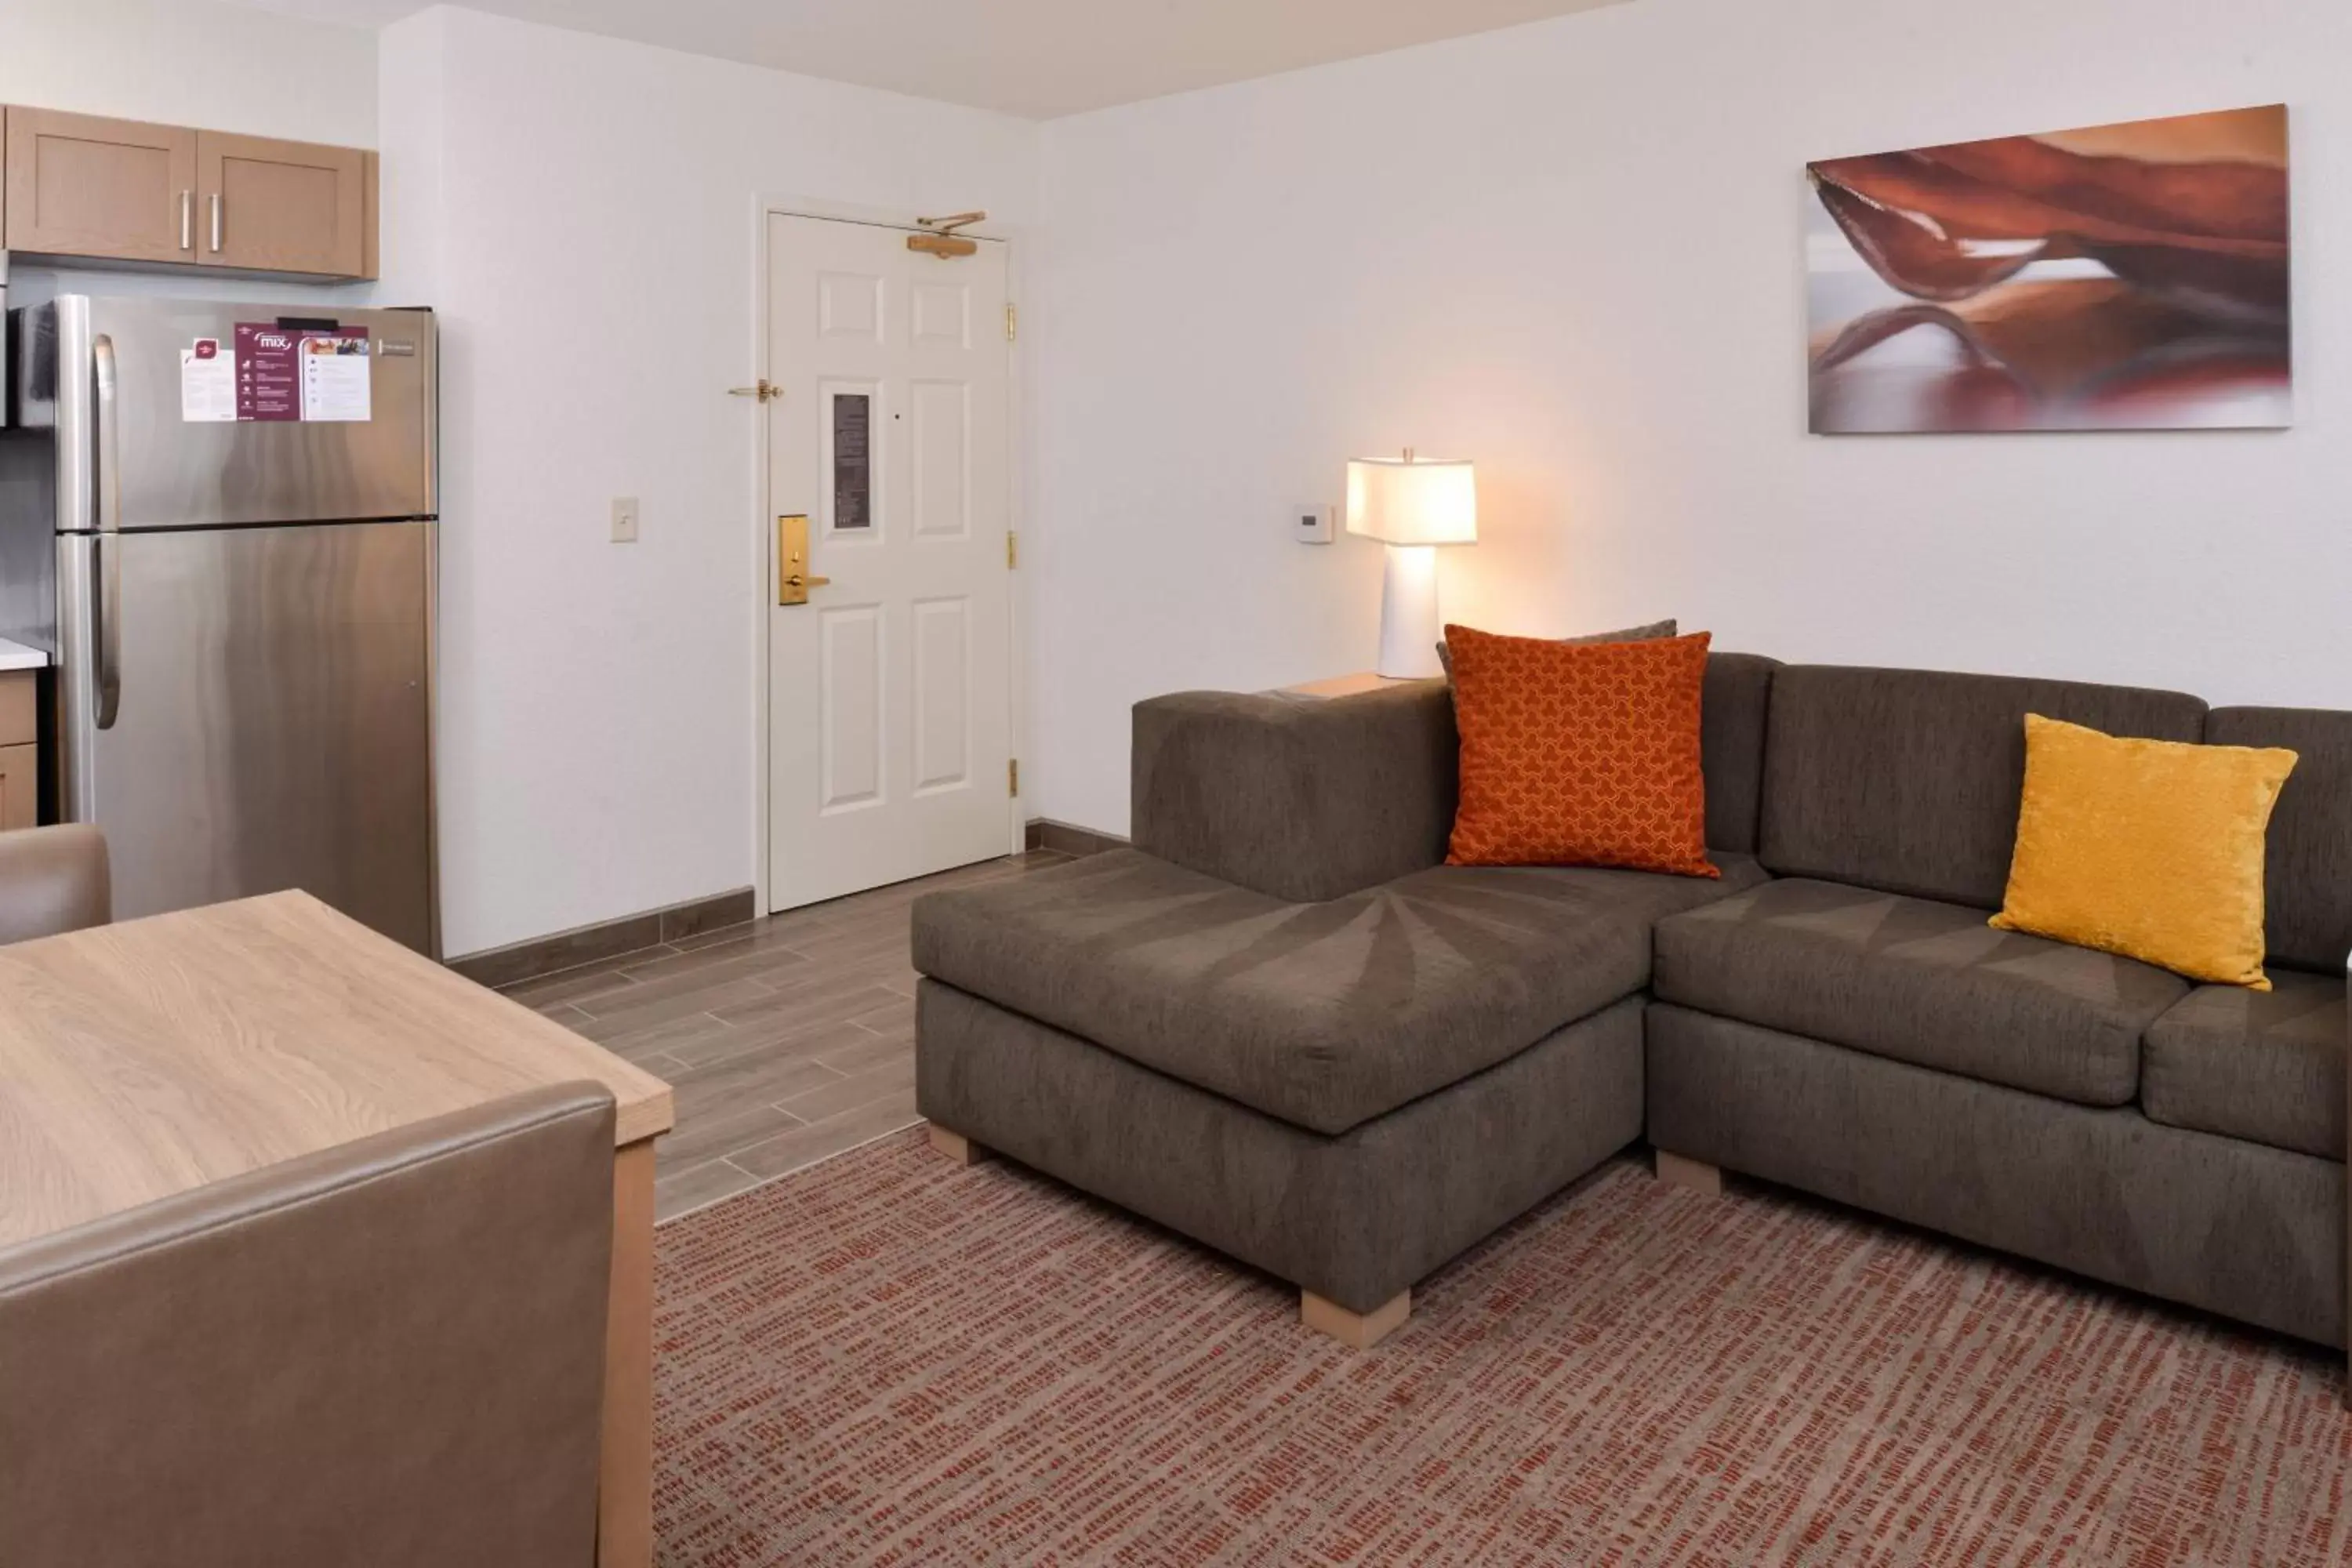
[[792, 578]]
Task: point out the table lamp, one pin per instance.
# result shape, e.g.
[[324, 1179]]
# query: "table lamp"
[[1412, 506]]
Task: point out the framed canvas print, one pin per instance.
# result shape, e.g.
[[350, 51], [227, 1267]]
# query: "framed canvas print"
[[2130, 277]]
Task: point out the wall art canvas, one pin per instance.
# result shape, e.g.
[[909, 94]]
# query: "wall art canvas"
[[2129, 277]]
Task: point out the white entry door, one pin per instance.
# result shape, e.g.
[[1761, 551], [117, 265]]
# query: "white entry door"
[[890, 690]]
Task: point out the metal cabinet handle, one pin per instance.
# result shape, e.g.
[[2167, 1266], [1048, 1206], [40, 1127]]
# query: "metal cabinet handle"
[[109, 545], [216, 222], [187, 220]]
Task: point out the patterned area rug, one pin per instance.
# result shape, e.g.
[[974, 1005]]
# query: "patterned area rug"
[[888, 1359]]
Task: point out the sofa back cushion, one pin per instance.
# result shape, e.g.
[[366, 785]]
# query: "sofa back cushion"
[[1731, 746], [1908, 780], [2307, 874], [1298, 799]]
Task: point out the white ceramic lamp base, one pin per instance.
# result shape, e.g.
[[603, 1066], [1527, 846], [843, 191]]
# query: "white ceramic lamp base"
[[1409, 627]]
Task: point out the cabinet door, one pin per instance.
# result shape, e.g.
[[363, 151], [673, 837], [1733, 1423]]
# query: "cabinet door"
[[79, 185], [20, 786], [19, 707], [281, 207]]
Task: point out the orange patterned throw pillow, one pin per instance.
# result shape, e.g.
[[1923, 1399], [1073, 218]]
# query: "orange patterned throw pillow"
[[1579, 755]]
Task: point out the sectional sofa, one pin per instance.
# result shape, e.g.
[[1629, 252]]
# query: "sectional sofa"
[[1280, 1024]]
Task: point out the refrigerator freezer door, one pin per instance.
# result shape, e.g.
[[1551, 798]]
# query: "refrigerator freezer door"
[[274, 727], [177, 471]]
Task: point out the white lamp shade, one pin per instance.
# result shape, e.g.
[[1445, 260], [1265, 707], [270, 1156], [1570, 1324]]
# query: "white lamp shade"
[[1401, 501]]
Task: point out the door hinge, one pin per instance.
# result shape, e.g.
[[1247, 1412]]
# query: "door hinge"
[[1012, 550], [1013, 777], [763, 389], [1012, 323]]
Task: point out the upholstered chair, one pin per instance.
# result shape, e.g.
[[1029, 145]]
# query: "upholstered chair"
[[53, 880], [384, 1356]]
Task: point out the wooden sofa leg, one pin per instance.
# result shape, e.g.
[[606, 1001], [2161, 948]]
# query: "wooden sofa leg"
[[1695, 1174], [956, 1146], [1357, 1331]]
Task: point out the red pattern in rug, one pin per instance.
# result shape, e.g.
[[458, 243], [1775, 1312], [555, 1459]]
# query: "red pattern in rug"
[[888, 1359]]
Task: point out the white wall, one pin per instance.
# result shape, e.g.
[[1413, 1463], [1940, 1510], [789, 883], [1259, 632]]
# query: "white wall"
[[1572, 252], [192, 62], [583, 213], [1569, 250]]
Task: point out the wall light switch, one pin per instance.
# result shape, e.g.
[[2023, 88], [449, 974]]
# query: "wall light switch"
[[624, 519], [1312, 524]]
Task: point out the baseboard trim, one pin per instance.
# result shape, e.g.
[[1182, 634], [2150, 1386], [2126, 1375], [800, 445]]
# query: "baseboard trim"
[[1044, 833], [498, 967]]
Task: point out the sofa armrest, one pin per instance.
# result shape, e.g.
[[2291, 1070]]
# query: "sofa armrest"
[[1296, 799], [52, 880]]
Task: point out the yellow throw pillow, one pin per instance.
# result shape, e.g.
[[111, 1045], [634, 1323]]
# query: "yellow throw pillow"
[[2150, 848]]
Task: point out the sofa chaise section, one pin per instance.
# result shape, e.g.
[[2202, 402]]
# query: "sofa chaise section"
[[1324, 1014], [1354, 1220], [1280, 1026]]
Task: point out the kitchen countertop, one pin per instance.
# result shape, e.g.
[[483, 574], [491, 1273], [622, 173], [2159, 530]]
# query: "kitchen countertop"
[[16, 655]]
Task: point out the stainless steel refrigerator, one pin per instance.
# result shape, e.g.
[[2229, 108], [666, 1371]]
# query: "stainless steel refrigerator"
[[237, 562]]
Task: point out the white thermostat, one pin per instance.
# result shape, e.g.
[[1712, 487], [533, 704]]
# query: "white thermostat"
[[1312, 524]]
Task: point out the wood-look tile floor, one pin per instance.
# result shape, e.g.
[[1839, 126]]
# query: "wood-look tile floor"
[[786, 1040]]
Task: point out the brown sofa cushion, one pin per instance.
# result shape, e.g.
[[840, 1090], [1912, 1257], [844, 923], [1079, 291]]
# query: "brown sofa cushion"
[[1731, 746], [1920, 982], [2308, 868], [1297, 800], [2267, 1067], [1907, 781], [1322, 1015]]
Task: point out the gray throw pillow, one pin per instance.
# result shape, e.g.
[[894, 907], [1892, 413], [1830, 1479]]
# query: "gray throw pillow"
[[1650, 633]]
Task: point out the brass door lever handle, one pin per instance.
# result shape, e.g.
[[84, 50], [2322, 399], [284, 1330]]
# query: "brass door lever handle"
[[792, 582]]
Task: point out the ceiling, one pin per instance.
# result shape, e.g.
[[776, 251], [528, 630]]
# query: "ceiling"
[[1036, 58]]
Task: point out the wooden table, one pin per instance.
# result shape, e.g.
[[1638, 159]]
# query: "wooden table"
[[1344, 685], [144, 1059]]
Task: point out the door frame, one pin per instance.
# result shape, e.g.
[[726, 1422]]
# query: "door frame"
[[763, 533]]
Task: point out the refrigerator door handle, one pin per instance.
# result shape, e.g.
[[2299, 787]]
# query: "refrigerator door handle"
[[108, 550], [108, 553]]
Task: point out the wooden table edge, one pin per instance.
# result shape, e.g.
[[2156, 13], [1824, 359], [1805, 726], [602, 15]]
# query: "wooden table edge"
[[624, 1484]]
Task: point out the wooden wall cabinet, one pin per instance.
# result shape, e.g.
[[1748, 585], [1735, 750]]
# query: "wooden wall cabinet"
[[118, 190], [79, 185], [281, 207]]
